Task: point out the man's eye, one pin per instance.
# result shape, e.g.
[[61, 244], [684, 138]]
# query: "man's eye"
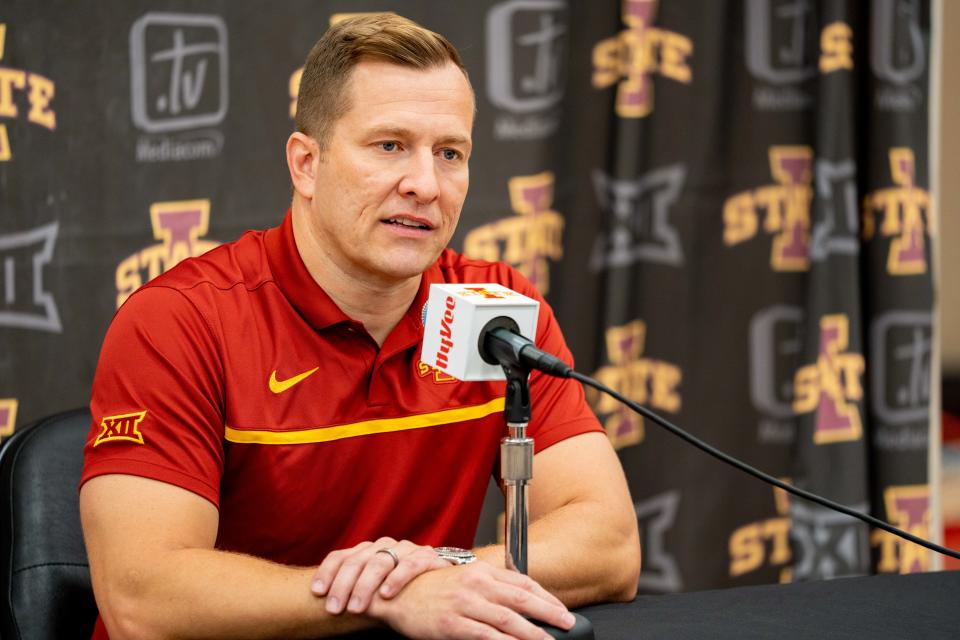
[[450, 154], [388, 146]]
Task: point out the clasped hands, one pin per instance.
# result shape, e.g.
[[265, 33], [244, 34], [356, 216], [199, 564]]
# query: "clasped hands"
[[423, 596]]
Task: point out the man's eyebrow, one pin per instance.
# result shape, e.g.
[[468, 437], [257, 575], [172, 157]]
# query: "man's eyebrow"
[[390, 132], [455, 140], [400, 132]]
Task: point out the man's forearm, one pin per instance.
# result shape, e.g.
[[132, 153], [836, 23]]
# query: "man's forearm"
[[206, 593], [583, 540], [582, 553]]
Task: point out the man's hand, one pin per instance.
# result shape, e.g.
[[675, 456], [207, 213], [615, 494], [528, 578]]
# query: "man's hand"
[[476, 600], [349, 578]]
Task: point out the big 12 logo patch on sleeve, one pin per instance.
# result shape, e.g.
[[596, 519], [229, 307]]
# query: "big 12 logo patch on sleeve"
[[124, 427]]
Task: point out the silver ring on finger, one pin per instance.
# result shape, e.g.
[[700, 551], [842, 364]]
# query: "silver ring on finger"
[[393, 554]]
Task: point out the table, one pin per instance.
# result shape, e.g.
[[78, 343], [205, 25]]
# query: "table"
[[890, 606], [923, 605]]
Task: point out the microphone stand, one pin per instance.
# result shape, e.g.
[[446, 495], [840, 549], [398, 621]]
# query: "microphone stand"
[[516, 471]]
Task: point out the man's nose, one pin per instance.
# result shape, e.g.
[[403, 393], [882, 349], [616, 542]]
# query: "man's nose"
[[420, 177]]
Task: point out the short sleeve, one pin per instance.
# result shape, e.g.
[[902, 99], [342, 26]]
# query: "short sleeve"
[[559, 405], [157, 400]]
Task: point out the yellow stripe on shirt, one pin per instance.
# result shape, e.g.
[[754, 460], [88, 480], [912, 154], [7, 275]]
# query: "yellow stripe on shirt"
[[365, 428]]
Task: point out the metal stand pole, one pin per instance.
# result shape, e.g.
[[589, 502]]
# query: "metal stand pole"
[[516, 466], [516, 471]]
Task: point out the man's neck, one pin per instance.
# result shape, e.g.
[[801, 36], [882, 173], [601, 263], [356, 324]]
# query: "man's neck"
[[378, 304]]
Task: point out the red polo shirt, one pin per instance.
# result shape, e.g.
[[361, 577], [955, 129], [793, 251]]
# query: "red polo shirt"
[[236, 377]]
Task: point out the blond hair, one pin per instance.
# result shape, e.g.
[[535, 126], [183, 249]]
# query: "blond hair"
[[387, 37]]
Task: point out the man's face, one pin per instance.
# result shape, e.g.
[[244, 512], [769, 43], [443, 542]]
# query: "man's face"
[[392, 180]]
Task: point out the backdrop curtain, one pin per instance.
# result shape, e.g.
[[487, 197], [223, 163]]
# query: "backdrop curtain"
[[725, 202]]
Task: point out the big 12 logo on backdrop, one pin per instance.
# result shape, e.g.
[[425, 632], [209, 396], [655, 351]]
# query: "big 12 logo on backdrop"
[[25, 303], [642, 227]]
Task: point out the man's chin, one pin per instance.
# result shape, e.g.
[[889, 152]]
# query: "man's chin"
[[399, 270]]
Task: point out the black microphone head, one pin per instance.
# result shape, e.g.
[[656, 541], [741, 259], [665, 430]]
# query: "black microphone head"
[[500, 322]]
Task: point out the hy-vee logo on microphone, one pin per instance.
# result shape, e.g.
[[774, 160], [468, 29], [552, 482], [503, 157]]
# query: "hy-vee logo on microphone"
[[446, 333]]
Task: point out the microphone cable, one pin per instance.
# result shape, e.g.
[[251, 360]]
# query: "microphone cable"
[[746, 468]]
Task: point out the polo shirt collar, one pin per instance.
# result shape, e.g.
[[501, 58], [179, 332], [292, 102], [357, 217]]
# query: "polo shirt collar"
[[409, 331], [313, 303], [296, 283]]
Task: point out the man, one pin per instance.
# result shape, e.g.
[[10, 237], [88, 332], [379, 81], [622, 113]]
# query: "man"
[[268, 456]]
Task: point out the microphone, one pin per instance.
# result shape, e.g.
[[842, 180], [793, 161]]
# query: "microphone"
[[473, 331], [477, 332], [505, 346]]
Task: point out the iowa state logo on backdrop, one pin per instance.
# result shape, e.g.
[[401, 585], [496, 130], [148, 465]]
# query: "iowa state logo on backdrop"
[[8, 416], [832, 385], [630, 58], [180, 227], [786, 211], [528, 240], [908, 508], [903, 213], [36, 92], [765, 543], [650, 382], [781, 53], [782, 387], [783, 207], [179, 93]]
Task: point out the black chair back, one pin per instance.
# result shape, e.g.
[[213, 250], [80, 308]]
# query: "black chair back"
[[44, 575]]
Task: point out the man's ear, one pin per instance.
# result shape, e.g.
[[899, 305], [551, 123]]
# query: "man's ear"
[[303, 155]]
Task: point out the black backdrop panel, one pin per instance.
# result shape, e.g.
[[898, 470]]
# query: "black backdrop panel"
[[725, 202]]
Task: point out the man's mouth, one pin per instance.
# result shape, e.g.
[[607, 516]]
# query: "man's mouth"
[[406, 222]]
